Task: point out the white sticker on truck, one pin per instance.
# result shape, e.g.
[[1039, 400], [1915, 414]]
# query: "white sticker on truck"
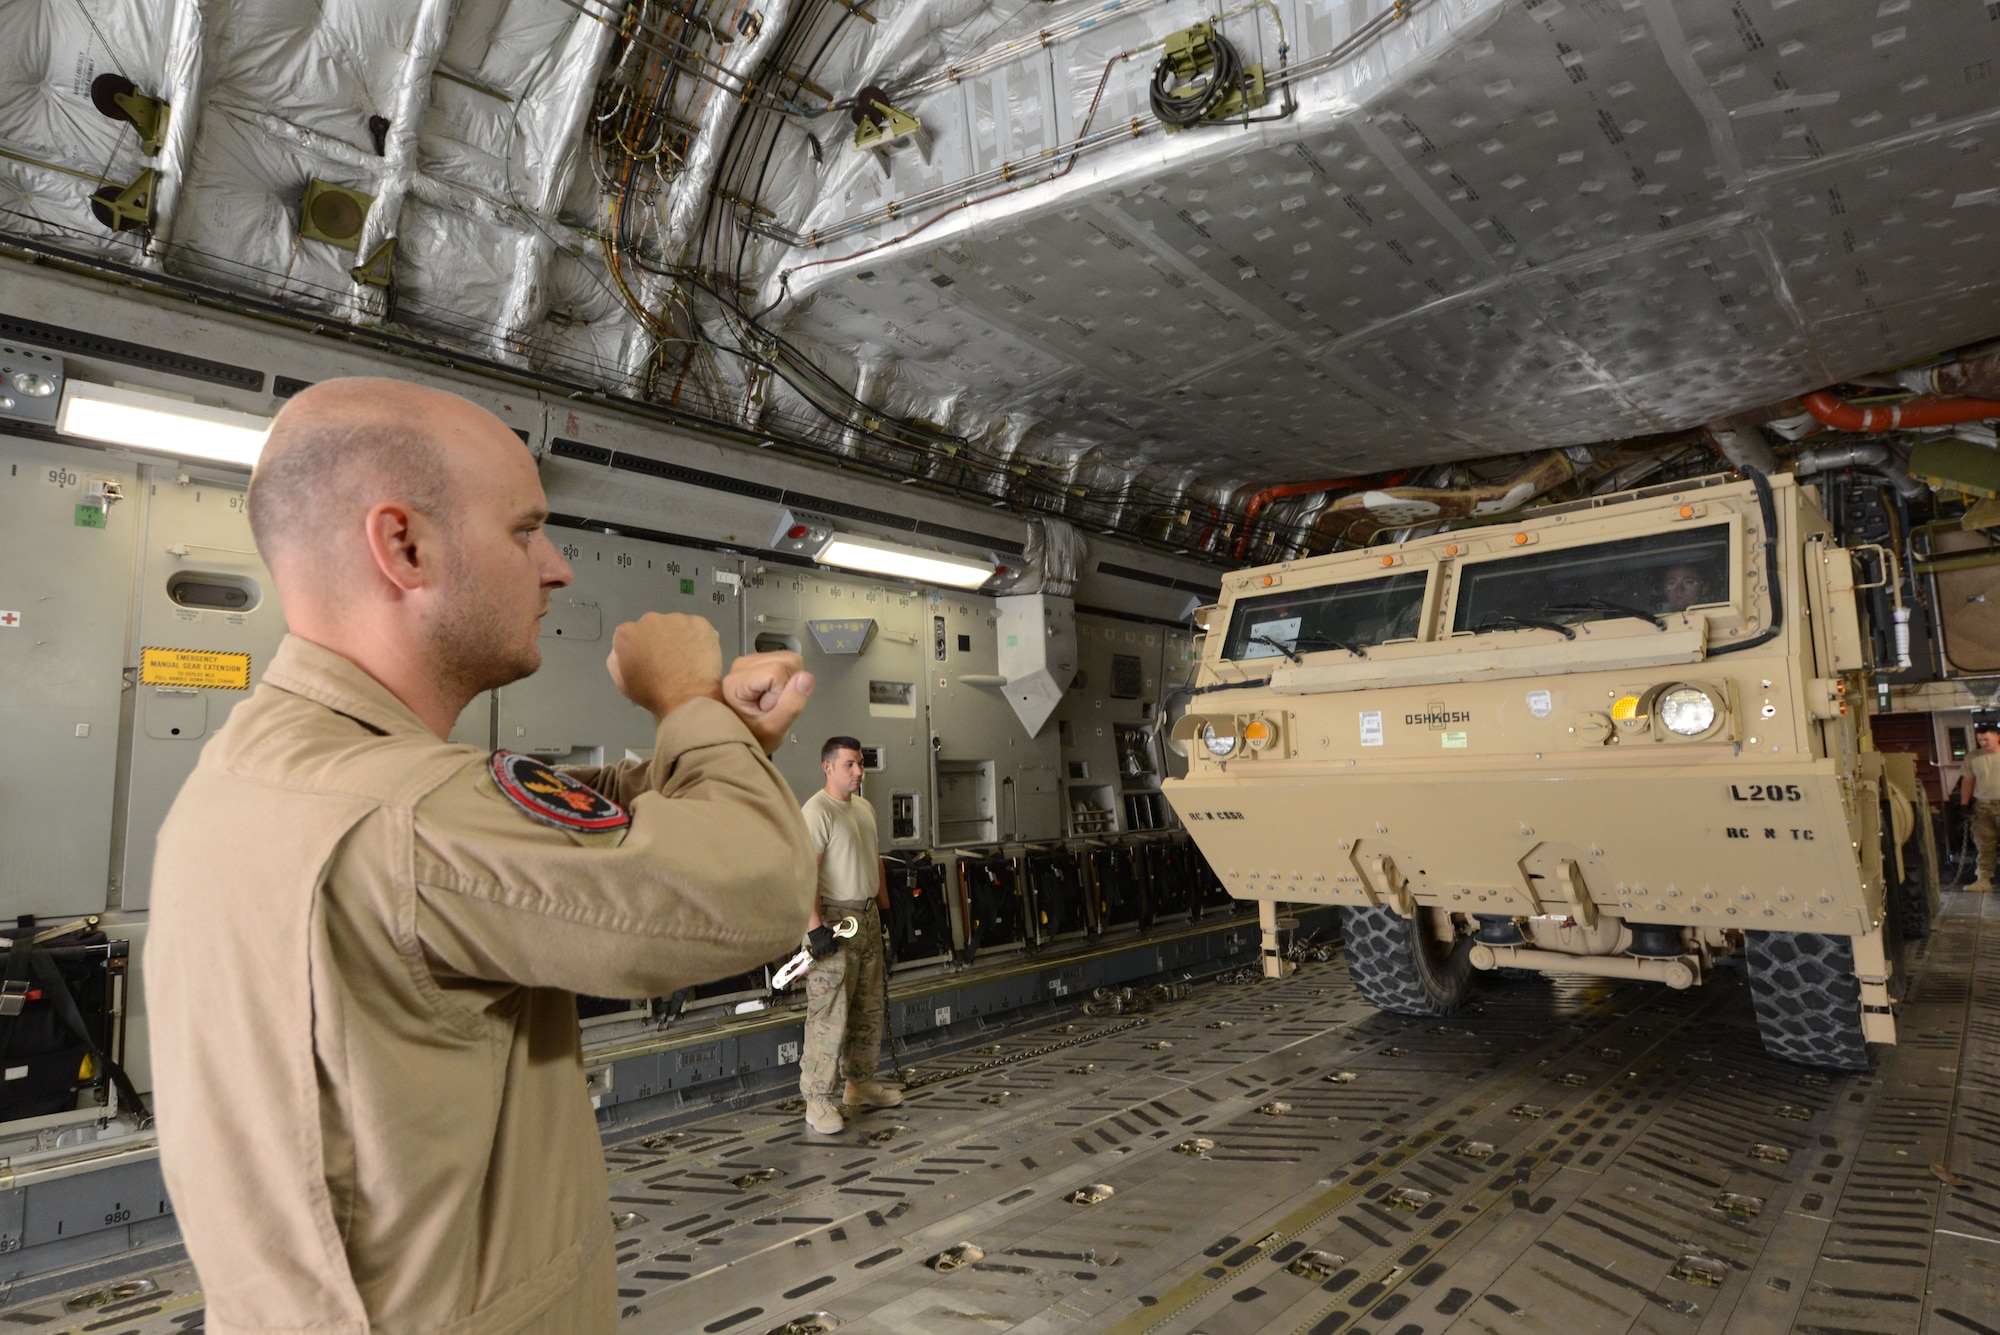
[[1371, 727]]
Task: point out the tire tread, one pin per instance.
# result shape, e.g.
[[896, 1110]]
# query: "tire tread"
[[1391, 970], [1807, 998]]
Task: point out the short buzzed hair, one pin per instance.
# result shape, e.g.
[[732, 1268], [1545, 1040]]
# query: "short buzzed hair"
[[319, 460], [835, 745]]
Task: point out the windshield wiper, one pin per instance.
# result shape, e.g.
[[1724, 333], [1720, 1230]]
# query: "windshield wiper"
[[1606, 605], [1284, 649], [1328, 642], [1500, 621]]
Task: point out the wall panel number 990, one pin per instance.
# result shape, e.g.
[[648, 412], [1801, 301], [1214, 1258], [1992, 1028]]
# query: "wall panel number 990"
[[1766, 792]]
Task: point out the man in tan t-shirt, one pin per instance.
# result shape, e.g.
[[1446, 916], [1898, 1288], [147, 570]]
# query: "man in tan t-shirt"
[[845, 990], [1980, 789]]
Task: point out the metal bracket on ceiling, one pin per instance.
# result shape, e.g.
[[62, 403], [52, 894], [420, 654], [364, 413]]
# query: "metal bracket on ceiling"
[[880, 126], [376, 270], [118, 97], [127, 208]]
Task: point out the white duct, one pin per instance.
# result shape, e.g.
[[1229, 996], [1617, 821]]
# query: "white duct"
[[576, 86], [1880, 458], [186, 63], [1744, 446], [1037, 654], [399, 148], [1054, 558], [1013, 429], [688, 198]]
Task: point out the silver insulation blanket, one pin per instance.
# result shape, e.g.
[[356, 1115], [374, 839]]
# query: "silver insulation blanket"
[[1495, 225]]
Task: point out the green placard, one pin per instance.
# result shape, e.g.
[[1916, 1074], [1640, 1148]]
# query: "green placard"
[[687, 586], [89, 516]]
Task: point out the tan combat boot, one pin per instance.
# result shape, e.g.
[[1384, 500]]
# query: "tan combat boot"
[[1982, 886], [823, 1117], [870, 1094]]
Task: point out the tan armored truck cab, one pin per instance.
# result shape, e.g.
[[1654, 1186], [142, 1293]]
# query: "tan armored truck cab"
[[1624, 737]]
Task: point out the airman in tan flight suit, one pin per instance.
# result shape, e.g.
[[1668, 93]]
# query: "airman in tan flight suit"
[[366, 941]]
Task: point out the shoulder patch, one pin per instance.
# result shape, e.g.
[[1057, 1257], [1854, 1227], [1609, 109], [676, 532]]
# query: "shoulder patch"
[[553, 798]]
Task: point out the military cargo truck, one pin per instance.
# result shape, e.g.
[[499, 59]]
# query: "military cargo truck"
[[1625, 736]]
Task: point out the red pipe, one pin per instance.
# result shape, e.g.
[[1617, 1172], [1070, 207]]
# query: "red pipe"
[[1279, 493], [1285, 489], [1925, 411], [1214, 521]]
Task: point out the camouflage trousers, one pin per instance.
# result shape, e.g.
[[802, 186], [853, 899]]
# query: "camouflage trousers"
[[844, 1008], [1986, 836]]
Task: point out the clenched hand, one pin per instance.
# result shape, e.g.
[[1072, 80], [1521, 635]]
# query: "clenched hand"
[[768, 692], [665, 659]]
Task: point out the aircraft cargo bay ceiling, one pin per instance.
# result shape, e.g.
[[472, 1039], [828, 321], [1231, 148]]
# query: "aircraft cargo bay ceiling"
[[959, 242]]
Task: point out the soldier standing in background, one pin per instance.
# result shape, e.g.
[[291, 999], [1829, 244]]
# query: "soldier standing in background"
[[1979, 791], [844, 990]]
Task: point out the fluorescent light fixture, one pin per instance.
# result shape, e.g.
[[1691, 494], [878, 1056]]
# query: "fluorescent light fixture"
[[144, 421], [889, 558]]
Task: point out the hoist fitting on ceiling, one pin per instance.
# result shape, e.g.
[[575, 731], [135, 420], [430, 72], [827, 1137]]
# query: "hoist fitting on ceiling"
[[1909, 414], [119, 98]]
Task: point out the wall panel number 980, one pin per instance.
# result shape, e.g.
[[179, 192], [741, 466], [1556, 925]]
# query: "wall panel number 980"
[[1766, 792]]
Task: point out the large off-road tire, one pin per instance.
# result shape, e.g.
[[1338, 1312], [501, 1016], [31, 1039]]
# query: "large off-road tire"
[[1904, 901], [1908, 899], [1807, 998], [1399, 967]]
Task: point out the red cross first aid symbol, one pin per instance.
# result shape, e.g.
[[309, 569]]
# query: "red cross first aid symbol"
[[10, 619]]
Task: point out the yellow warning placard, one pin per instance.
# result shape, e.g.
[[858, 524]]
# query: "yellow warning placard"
[[213, 668]]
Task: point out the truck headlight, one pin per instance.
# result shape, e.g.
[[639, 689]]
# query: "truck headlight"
[[1687, 711], [1220, 744]]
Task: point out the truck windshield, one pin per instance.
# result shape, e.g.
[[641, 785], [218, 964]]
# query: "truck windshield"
[[1646, 577], [1337, 616]]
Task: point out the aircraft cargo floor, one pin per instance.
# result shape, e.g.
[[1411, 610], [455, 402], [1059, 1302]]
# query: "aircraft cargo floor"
[[1563, 1157]]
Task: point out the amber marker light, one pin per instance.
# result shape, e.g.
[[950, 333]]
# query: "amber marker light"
[[1259, 733]]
